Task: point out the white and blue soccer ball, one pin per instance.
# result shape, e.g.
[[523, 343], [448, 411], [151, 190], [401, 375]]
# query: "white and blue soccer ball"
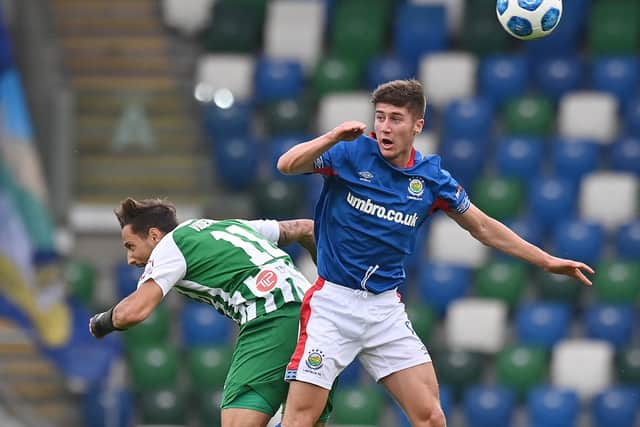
[[529, 19]]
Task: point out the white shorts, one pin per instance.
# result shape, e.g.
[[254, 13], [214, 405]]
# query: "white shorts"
[[338, 324]]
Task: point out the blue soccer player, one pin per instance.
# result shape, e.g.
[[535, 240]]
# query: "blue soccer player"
[[378, 190]]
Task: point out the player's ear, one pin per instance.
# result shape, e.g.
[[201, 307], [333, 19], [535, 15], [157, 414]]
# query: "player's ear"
[[418, 126], [155, 234]]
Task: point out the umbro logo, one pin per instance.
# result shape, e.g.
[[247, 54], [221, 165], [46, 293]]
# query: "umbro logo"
[[365, 176]]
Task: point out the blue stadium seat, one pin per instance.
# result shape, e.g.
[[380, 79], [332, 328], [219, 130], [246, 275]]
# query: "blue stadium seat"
[[616, 406], [628, 241], [236, 162], [616, 75], [278, 146], [105, 407], [632, 117], [625, 155], [6, 56], [542, 324], [519, 157], [223, 123], [126, 279], [382, 69], [488, 406], [572, 159], [313, 187], [351, 375], [464, 158], [528, 228], [553, 406], [202, 325], [556, 76], [418, 30], [551, 199], [277, 79], [503, 77], [441, 283], [579, 240], [468, 118], [609, 322]]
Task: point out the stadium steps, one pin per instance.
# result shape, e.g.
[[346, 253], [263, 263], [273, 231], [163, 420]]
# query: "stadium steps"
[[135, 131], [33, 381]]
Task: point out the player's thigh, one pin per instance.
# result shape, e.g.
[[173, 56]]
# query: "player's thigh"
[[241, 417]]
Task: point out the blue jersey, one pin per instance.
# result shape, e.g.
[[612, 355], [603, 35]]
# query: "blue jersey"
[[369, 211]]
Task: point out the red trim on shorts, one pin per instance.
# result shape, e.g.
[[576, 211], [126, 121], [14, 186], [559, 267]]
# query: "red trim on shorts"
[[305, 314]]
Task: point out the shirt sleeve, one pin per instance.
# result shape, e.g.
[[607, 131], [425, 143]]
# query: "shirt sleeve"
[[326, 164], [166, 265], [268, 228], [450, 194]]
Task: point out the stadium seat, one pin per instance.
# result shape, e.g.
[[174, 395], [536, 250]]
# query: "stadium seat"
[[476, 324], [278, 79], [628, 365], [236, 26], [153, 330], [610, 323], [288, 116], [106, 407], [631, 116], [468, 118], [294, 30], [551, 200], [277, 198], [617, 75], [458, 369], [558, 288], [153, 367], [481, 35], [208, 407], [530, 115], [627, 241], [489, 406], [419, 30], [501, 198], [224, 123], [80, 276], [225, 72], [336, 108], [519, 157], [616, 406], [574, 158], [454, 10], [503, 77], [441, 283], [617, 189], [447, 76], [202, 325], [208, 366], [189, 19], [528, 228], [336, 74], [351, 375], [166, 406], [501, 280], [464, 158], [625, 155], [423, 319], [613, 27], [236, 162], [277, 147], [126, 279], [557, 76], [572, 358], [553, 406], [617, 282], [521, 367], [600, 108], [450, 243], [579, 240], [542, 324], [357, 406], [382, 69]]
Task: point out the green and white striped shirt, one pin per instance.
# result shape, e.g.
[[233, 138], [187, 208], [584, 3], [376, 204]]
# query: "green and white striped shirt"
[[233, 265]]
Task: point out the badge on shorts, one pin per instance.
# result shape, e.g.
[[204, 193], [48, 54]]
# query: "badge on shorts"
[[315, 359]]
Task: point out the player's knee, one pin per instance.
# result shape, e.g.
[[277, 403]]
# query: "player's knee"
[[429, 416], [437, 418], [298, 419]]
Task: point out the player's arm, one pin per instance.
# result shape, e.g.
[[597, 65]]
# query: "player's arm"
[[299, 159], [493, 233], [298, 230], [129, 312]]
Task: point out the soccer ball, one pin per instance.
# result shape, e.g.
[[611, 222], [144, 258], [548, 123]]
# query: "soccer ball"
[[529, 19]]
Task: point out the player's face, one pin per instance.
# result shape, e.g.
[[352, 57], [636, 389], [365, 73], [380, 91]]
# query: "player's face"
[[138, 248], [396, 128]]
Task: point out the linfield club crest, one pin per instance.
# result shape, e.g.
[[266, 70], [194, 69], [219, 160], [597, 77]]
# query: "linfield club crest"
[[416, 188]]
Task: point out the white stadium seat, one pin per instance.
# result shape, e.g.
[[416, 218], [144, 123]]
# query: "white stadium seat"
[[336, 108], [187, 16], [476, 324], [590, 115], [448, 76], [448, 242], [426, 142], [609, 198], [226, 71], [583, 365], [295, 30]]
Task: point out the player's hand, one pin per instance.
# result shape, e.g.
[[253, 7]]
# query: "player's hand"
[[348, 131], [92, 322], [570, 268]]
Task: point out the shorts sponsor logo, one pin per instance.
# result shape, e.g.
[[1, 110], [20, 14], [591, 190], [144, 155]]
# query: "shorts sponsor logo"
[[373, 209], [315, 359], [266, 280]]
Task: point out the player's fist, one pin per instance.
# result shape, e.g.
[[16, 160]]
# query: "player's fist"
[[348, 131]]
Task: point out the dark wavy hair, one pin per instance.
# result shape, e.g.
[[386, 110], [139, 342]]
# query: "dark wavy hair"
[[145, 214], [402, 93]]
